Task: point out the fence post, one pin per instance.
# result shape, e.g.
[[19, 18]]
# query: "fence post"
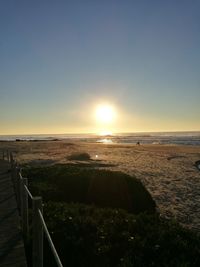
[[12, 168], [11, 159], [14, 177], [18, 189], [24, 209], [37, 233]]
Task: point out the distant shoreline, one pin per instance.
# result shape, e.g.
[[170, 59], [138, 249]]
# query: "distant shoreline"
[[162, 138]]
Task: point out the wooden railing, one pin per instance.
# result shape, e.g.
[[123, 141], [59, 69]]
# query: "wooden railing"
[[39, 227]]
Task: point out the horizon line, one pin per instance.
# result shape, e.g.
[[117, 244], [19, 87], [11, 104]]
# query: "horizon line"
[[94, 133]]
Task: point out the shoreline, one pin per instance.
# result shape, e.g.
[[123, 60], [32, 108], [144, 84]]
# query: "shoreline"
[[155, 138]]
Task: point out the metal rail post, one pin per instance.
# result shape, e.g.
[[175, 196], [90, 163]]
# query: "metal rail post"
[[18, 187], [11, 159], [37, 233], [24, 209]]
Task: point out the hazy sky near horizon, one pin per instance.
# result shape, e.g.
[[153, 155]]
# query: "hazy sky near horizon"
[[60, 59]]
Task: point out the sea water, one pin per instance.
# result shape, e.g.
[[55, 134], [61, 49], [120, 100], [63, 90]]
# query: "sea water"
[[178, 138]]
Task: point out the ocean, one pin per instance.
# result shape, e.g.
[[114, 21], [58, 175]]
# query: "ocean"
[[178, 138]]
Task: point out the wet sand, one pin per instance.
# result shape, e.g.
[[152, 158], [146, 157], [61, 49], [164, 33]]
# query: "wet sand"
[[167, 171]]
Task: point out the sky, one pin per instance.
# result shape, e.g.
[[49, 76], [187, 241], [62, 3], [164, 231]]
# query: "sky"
[[59, 60]]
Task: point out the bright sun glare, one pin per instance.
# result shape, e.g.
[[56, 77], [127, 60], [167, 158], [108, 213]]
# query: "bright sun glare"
[[105, 114]]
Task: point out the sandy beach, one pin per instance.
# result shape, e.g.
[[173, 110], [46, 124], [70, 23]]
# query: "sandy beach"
[[167, 171]]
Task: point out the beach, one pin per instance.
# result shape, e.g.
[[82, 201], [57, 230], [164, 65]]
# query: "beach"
[[168, 171]]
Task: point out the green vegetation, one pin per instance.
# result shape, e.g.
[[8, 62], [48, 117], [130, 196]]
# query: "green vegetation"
[[70, 183], [99, 218], [89, 236]]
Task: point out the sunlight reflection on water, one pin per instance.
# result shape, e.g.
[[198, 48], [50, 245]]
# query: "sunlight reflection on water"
[[105, 141]]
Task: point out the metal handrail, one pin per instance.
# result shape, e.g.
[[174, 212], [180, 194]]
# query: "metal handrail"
[[20, 176], [53, 249], [29, 193]]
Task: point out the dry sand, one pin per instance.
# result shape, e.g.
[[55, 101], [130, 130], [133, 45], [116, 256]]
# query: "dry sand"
[[167, 171]]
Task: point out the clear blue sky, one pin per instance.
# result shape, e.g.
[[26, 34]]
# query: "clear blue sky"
[[59, 59]]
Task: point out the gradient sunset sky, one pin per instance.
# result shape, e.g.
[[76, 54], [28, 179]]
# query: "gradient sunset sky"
[[59, 60]]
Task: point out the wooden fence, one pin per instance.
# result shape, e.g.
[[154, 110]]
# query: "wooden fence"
[[39, 227]]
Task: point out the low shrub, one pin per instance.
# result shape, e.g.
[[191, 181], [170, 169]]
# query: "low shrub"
[[102, 188], [79, 156]]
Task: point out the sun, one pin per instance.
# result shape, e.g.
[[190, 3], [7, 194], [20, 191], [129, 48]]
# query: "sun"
[[105, 114]]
